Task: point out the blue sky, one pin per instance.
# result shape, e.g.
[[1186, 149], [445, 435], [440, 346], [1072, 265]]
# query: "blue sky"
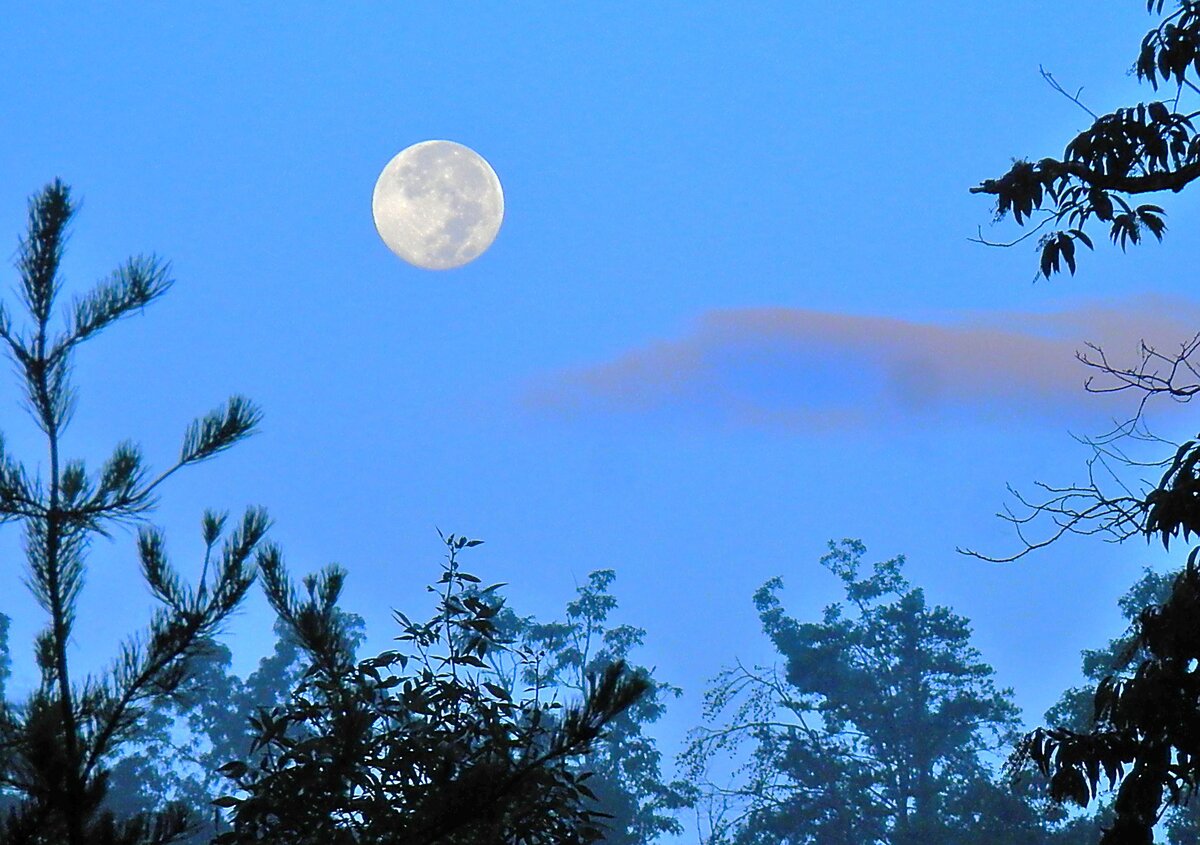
[[732, 312]]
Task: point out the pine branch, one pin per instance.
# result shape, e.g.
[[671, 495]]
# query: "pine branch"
[[39, 253], [48, 389], [315, 621], [63, 733], [161, 577], [17, 349], [132, 287], [174, 638], [219, 430], [121, 492], [17, 498], [55, 578]]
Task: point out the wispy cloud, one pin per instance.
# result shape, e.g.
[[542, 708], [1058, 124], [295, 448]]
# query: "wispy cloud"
[[796, 368]]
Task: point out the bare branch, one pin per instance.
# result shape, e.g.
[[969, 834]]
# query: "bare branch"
[[1092, 507], [1006, 244], [1155, 373], [1088, 508], [1074, 98]]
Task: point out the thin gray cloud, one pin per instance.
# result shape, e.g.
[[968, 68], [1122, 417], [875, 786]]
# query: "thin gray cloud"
[[797, 368]]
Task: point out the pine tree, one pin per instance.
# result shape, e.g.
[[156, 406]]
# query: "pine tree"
[[55, 747]]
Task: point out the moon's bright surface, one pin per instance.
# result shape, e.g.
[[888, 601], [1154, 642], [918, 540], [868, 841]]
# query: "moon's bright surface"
[[438, 205]]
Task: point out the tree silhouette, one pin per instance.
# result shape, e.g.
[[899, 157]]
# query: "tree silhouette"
[[57, 744], [625, 764], [877, 730], [417, 746], [1076, 706], [1144, 148], [184, 740], [1141, 149], [1143, 731]]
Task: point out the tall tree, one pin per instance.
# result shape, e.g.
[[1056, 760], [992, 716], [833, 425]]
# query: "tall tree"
[[416, 746], [58, 743], [626, 764], [878, 729]]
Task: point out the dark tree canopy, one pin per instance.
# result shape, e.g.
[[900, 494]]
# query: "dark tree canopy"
[[1141, 149], [1076, 708], [184, 740], [417, 746], [878, 730], [1143, 731], [625, 763]]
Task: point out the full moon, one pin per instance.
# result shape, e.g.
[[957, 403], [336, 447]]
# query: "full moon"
[[438, 205]]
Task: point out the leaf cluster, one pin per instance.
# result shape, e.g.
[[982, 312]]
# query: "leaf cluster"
[[1173, 507], [418, 745], [1146, 148], [1144, 734]]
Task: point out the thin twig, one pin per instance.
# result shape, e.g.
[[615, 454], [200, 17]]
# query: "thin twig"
[[1005, 244], [1074, 98]]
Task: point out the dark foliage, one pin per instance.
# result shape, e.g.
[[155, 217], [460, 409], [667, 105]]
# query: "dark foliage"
[[55, 747], [1076, 708], [1141, 149], [1144, 730], [877, 731], [417, 746], [625, 764], [185, 739], [1140, 735]]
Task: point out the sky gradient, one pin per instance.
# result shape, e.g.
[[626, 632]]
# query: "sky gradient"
[[732, 312]]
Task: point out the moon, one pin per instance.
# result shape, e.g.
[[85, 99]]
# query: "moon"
[[438, 205]]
